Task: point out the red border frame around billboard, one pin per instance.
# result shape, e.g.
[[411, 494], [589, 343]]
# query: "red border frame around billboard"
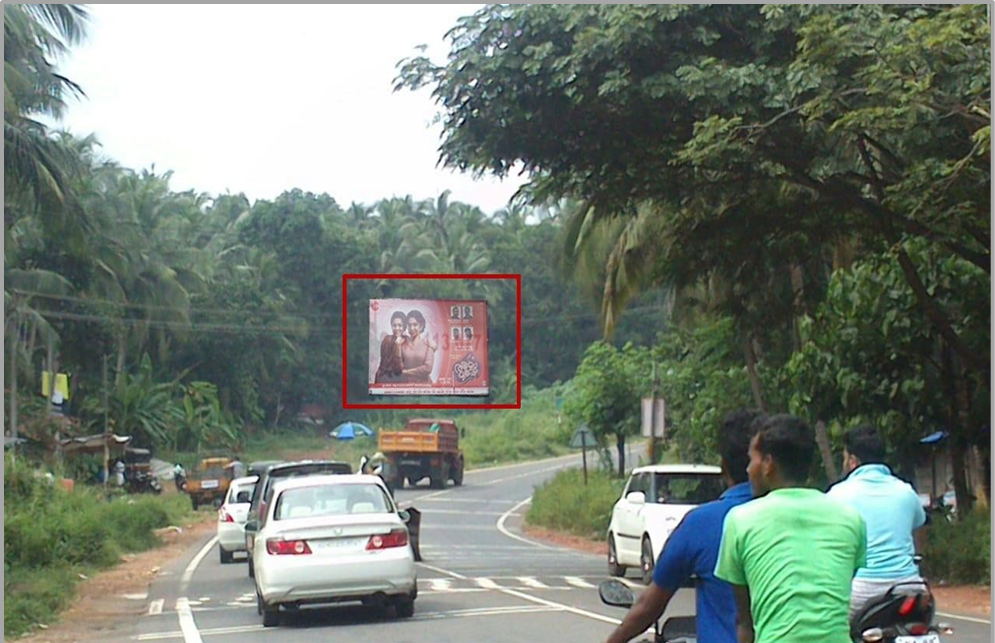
[[518, 340]]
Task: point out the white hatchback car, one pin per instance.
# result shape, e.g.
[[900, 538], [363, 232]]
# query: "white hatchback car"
[[232, 516], [653, 503], [331, 539]]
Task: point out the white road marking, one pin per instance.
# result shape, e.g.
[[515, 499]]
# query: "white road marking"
[[183, 613], [532, 581], [136, 597], [969, 619], [473, 501], [443, 571], [565, 608], [425, 616], [461, 513], [503, 530], [192, 567], [486, 583], [439, 584], [155, 607], [577, 581], [187, 626]]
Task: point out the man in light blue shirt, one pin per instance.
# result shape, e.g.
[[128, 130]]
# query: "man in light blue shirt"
[[891, 510]]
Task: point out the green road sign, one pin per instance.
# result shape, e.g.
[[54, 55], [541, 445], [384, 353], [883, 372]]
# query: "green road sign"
[[582, 437]]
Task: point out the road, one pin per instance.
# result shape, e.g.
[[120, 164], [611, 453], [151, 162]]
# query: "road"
[[480, 580]]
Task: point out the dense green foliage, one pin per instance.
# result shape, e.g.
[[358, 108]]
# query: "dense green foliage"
[[51, 536], [811, 184], [218, 318], [960, 553]]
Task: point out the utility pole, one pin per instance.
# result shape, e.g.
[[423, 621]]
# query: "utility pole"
[[652, 440], [13, 384], [107, 454]]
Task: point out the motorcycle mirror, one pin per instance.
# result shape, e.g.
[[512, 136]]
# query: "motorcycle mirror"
[[872, 635], [404, 515], [252, 525], [613, 592]]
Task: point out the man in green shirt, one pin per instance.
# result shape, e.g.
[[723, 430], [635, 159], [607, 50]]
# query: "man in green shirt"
[[791, 554]]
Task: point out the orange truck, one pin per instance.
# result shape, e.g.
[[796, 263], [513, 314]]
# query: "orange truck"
[[424, 448]]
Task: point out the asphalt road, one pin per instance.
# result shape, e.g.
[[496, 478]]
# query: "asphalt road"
[[480, 580]]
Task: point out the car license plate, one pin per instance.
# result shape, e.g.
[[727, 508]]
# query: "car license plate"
[[209, 484], [925, 638], [337, 544]]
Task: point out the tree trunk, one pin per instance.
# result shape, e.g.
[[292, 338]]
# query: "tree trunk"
[[958, 428], [939, 319], [122, 353], [620, 446], [13, 387], [751, 370], [822, 439], [798, 301]]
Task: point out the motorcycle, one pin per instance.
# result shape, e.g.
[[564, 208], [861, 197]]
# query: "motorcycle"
[[142, 482], [676, 629], [904, 614]]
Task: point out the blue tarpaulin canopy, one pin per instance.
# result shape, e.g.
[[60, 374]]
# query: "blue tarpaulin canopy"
[[934, 438], [350, 430]]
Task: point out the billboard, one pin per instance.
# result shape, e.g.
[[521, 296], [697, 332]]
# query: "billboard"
[[428, 347]]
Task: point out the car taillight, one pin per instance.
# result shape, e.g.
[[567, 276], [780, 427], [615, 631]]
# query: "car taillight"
[[279, 547], [224, 516], [396, 538], [918, 629]]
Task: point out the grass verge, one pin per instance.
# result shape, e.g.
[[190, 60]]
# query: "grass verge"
[[51, 536], [566, 504]]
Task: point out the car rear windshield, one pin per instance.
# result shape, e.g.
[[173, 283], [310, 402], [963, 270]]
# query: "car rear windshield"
[[278, 473], [686, 488], [331, 500]]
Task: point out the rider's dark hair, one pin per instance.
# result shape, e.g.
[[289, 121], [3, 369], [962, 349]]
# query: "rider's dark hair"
[[789, 441], [735, 433], [865, 442]]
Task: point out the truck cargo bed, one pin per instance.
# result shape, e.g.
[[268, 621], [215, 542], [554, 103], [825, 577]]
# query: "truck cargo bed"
[[417, 442]]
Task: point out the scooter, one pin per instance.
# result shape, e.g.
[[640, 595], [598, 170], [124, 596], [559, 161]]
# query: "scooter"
[[904, 614], [676, 629]]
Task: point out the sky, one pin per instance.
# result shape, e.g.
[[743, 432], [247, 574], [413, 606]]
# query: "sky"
[[265, 98]]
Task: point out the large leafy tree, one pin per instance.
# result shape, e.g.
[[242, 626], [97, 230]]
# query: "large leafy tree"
[[760, 130]]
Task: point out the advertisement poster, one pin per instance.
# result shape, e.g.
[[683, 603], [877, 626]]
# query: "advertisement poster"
[[428, 347]]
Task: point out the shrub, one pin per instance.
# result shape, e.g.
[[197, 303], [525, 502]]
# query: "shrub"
[[565, 503], [960, 552], [51, 534]]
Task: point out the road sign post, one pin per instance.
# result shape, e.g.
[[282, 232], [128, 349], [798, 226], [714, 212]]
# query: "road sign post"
[[583, 438]]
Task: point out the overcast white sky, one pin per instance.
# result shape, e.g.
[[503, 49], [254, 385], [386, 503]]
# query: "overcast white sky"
[[264, 98]]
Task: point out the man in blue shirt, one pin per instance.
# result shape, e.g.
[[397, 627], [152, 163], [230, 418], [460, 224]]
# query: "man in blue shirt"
[[891, 510], [693, 548]]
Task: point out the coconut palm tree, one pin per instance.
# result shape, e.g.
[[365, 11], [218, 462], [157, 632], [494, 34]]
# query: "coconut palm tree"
[[37, 168]]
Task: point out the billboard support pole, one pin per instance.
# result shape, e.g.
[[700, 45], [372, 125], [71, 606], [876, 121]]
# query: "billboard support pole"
[[652, 441], [583, 455]]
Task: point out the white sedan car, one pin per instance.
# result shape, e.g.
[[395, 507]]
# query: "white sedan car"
[[232, 516], [331, 539], [654, 502]]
